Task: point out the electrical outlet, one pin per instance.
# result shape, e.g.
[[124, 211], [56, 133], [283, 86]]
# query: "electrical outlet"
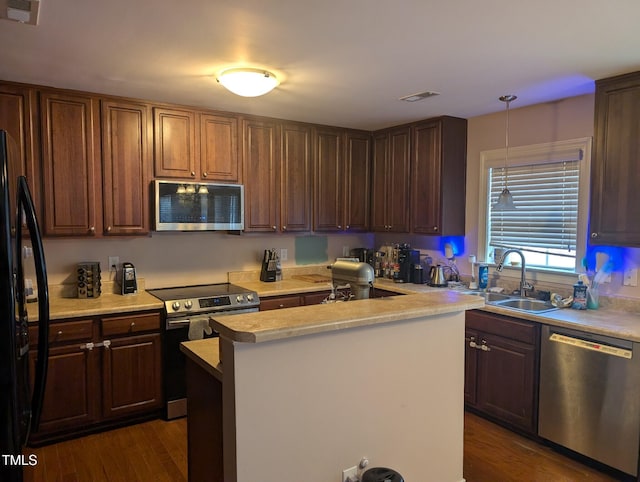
[[284, 254], [350, 474], [630, 277], [114, 261], [27, 252], [346, 251]]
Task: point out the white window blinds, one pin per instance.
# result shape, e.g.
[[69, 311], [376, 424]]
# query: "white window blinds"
[[546, 197]]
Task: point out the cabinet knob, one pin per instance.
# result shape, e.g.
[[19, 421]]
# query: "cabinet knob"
[[59, 333], [484, 346], [205, 174], [284, 228], [193, 174], [594, 235], [274, 228], [472, 342], [346, 227], [339, 226], [108, 229], [435, 228], [133, 325], [92, 229]]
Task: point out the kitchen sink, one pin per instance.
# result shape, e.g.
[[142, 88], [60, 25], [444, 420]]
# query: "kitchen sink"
[[524, 304]]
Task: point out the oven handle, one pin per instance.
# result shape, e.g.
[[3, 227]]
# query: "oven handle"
[[176, 323]]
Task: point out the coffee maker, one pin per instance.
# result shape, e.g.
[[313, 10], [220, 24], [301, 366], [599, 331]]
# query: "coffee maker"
[[407, 260], [364, 255]]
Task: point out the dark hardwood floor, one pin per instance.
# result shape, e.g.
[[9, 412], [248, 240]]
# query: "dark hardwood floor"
[[157, 451]]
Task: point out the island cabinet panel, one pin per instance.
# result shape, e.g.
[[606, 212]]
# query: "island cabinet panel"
[[71, 164], [390, 180], [126, 167], [501, 369], [438, 175], [342, 177], [615, 172], [295, 178], [18, 116], [219, 150], [175, 154], [261, 168]]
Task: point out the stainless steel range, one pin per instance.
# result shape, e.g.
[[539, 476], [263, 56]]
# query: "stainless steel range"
[[183, 307]]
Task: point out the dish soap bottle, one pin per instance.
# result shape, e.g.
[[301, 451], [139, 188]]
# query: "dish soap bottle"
[[579, 296]]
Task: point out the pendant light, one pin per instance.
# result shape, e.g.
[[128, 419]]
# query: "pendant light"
[[505, 200]]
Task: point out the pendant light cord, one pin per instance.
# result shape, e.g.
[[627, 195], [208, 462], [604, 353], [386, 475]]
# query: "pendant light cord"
[[507, 99]]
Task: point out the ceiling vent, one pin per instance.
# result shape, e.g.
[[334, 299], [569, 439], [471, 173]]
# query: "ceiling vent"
[[419, 96], [23, 11]]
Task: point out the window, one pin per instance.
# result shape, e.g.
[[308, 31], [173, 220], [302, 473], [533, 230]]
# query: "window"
[[549, 184]]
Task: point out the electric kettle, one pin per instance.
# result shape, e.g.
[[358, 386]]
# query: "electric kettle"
[[437, 277]]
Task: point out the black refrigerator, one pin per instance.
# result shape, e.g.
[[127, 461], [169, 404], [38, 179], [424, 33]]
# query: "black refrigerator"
[[21, 393]]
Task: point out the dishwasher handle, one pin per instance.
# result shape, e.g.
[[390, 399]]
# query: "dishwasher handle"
[[591, 345]]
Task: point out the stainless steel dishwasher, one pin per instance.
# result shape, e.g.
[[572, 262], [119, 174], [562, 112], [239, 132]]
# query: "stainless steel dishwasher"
[[590, 395]]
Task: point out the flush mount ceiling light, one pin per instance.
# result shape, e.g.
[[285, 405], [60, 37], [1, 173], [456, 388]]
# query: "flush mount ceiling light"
[[248, 82], [505, 200]]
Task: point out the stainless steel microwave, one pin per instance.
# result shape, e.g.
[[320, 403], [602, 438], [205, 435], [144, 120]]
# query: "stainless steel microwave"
[[198, 206]]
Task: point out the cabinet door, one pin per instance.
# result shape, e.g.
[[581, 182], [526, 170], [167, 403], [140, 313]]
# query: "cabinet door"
[[438, 177], [329, 174], [132, 381], [506, 381], [397, 203], [174, 143], [426, 176], [615, 197], [72, 392], [295, 178], [219, 148], [18, 117], [126, 167], [70, 162], [379, 182], [261, 159], [470, 367], [357, 181]]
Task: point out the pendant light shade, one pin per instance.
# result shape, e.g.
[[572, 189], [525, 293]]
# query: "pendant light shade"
[[505, 200], [248, 82]]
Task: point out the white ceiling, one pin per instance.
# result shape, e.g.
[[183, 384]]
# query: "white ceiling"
[[341, 62]]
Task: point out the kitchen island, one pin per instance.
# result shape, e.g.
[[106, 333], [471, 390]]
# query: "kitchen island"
[[306, 392]]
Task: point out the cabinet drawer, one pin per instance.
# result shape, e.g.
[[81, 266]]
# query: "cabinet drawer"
[[504, 326], [68, 331], [280, 302], [127, 325]]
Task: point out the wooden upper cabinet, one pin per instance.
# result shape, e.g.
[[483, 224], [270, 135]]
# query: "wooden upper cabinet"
[[295, 178], [175, 154], [18, 116], [71, 164], [126, 166], [438, 173], [390, 180], [261, 155], [357, 180], [615, 197], [329, 174], [219, 148]]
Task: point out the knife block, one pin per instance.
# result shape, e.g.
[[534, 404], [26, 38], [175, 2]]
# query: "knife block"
[[269, 270]]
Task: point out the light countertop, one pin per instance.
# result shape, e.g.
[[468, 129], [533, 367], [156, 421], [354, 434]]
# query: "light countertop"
[[304, 320]]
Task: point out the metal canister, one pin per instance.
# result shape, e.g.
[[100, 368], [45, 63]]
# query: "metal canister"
[[483, 276]]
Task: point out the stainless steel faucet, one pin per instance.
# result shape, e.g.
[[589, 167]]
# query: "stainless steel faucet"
[[524, 285]]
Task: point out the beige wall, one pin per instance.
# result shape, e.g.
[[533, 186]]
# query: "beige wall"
[[311, 406]]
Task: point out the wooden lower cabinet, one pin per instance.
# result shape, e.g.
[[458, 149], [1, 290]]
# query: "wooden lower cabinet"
[[101, 370], [501, 368]]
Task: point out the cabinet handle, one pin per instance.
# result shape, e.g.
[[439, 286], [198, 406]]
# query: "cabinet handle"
[[87, 346], [106, 344], [205, 174]]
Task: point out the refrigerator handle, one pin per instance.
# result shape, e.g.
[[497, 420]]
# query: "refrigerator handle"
[[25, 205]]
